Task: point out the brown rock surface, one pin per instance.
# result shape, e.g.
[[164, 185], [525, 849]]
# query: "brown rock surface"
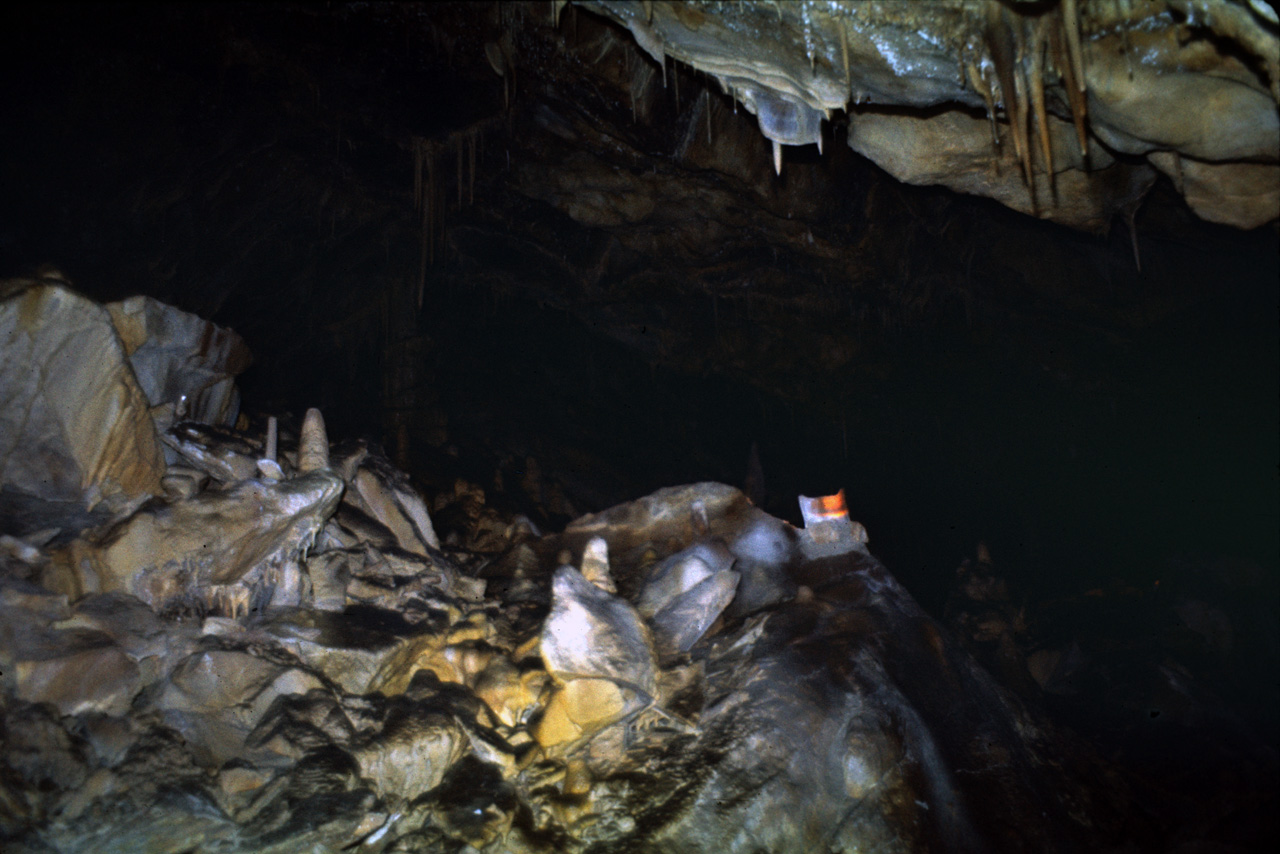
[[777, 689], [933, 69], [181, 360], [73, 421]]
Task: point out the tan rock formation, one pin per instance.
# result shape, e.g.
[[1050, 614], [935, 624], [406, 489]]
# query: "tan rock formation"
[[74, 423]]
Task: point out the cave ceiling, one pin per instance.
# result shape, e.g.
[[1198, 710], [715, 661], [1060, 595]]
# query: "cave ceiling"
[[1063, 110], [706, 183]]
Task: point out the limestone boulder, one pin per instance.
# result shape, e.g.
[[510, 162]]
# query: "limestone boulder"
[[351, 649], [683, 622], [385, 494], [680, 573], [419, 735], [184, 364], [74, 422], [80, 678], [47, 657], [217, 695]]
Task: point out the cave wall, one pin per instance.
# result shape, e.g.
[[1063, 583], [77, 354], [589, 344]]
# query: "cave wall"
[[574, 262]]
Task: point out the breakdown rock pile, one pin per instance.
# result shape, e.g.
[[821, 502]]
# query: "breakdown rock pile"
[[266, 647]]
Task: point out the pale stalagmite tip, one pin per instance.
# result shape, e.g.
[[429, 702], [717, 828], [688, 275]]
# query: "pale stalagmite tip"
[[273, 432], [595, 565], [313, 447]]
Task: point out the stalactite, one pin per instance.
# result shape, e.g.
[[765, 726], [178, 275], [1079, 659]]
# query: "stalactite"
[[509, 71], [999, 39], [471, 178], [844, 54], [1130, 213], [426, 202], [1124, 40], [424, 251], [1071, 27], [708, 94], [1021, 95], [675, 74], [1060, 51], [417, 174], [434, 207], [1023, 50], [980, 85], [1039, 36]]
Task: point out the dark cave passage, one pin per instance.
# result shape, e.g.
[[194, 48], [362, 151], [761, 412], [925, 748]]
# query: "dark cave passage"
[[1077, 445], [518, 257], [1158, 451]]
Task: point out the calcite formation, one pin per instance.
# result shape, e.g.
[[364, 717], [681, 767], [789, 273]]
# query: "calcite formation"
[[294, 662], [1064, 110], [232, 551], [597, 647]]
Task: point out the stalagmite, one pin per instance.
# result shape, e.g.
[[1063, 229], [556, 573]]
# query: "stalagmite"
[[272, 438], [313, 445], [595, 565], [268, 467]]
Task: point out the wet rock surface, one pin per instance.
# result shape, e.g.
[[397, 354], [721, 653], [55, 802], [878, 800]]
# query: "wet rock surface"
[[73, 416], [690, 677], [917, 78], [314, 685], [841, 718]]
